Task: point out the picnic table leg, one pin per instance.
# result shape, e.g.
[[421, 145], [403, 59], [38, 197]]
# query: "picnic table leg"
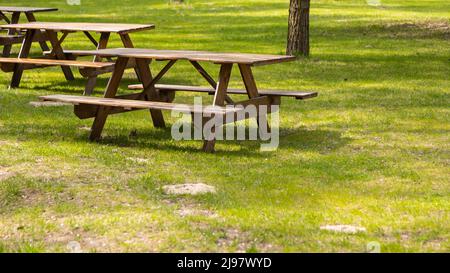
[[126, 40], [111, 90], [145, 76], [39, 35], [219, 99], [14, 20], [102, 44], [252, 91], [59, 53], [24, 51]]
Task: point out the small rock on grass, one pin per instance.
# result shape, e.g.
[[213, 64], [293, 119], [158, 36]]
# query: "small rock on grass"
[[47, 103], [192, 189], [343, 228]]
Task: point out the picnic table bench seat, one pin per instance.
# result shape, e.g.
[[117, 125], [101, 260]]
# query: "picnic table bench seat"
[[211, 91], [129, 104], [8, 64]]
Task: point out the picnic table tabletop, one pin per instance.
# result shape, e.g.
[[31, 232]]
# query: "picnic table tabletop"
[[25, 9], [94, 27], [206, 56]]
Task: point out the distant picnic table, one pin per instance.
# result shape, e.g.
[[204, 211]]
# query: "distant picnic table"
[[67, 58], [13, 36]]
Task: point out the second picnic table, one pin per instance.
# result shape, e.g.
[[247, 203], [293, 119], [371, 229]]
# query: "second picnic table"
[[51, 30], [13, 37]]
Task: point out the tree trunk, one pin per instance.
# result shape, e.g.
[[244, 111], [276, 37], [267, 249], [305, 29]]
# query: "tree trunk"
[[298, 29]]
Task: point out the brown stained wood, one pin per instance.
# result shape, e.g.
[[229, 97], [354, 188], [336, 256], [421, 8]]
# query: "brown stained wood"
[[252, 91], [62, 38], [92, 27], [204, 74], [101, 44], [59, 53], [274, 93], [145, 76], [219, 100], [4, 17], [11, 39], [92, 39], [214, 57], [53, 62], [39, 34], [163, 71], [139, 104], [222, 85], [25, 9], [24, 51], [127, 43], [208, 78], [111, 90], [14, 20], [78, 53], [84, 111]]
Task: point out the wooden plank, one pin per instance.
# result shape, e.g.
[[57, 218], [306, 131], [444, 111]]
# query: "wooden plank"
[[214, 57], [279, 93], [139, 104], [84, 111], [25, 9], [24, 51], [4, 17], [53, 62], [59, 54], [92, 27], [252, 92], [208, 78], [204, 74], [11, 39], [111, 90], [163, 72], [14, 20], [145, 75], [75, 52], [102, 43], [219, 100], [39, 34]]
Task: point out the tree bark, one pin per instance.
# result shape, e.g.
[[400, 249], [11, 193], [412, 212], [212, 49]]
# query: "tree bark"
[[298, 28]]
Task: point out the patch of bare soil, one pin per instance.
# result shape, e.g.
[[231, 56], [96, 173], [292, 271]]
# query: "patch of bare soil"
[[193, 210], [191, 189], [427, 29], [241, 241], [349, 229], [4, 174]]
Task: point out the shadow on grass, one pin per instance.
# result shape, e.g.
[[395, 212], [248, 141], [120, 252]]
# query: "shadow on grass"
[[161, 139]]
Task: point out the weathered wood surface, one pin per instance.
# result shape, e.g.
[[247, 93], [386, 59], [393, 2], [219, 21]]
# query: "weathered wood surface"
[[94, 27], [139, 104], [205, 56], [25, 9], [86, 64], [11, 39], [281, 93]]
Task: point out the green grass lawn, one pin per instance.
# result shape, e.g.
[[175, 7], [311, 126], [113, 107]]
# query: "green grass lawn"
[[372, 150]]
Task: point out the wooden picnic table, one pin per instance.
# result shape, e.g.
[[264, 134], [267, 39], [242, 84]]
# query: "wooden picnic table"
[[157, 97], [52, 29], [12, 36]]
